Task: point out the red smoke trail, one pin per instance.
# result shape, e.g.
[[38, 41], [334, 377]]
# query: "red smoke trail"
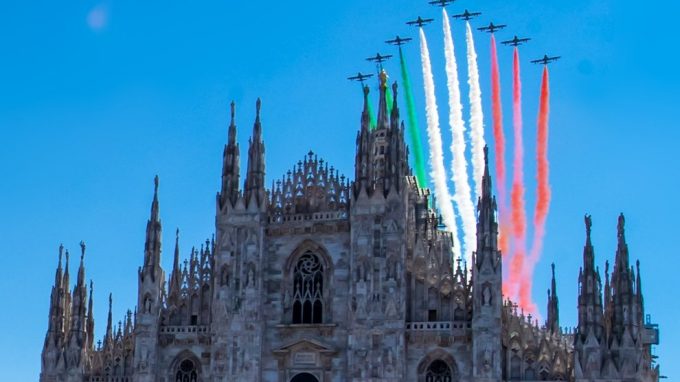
[[499, 140], [517, 192], [542, 186]]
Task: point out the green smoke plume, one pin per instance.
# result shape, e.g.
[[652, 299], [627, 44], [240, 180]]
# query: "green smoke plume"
[[413, 130]]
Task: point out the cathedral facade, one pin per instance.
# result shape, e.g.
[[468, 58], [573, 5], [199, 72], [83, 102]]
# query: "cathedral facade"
[[321, 278]]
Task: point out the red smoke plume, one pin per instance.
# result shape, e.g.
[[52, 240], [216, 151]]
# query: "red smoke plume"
[[499, 140], [542, 186], [517, 192]]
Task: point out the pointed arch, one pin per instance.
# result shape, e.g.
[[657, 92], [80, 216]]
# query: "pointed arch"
[[186, 367], [438, 366], [308, 275]]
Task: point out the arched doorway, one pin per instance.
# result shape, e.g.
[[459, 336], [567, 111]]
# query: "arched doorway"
[[438, 371], [304, 377]]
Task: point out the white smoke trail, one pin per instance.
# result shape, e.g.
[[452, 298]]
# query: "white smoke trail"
[[462, 195], [438, 172], [476, 115]]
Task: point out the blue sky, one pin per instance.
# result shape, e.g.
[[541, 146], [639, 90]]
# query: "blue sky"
[[98, 97]]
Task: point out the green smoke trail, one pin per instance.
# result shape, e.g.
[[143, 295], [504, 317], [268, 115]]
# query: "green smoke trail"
[[413, 130], [388, 99], [371, 114]]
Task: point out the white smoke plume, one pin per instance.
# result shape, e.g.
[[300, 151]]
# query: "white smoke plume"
[[477, 142], [462, 196], [438, 172]]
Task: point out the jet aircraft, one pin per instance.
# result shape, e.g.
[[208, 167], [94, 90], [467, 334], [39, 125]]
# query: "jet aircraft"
[[360, 77], [441, 3], [545, 60], [515, 41], [379, 58], [398, 41], [420, 22], [491, 28], [467, 15]]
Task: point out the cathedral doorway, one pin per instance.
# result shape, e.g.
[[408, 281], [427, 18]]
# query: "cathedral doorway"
[[304, 377], [438, 371], [186, 372]]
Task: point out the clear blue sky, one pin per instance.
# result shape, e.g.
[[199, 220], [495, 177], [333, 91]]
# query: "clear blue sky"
[[98, 97]]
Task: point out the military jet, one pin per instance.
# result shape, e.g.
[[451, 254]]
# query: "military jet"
[[491, 28], [441, 3], [515, 41], [379, 58], [467, 15], [420, 22], [398, 41], [545, 60], [360, 77]]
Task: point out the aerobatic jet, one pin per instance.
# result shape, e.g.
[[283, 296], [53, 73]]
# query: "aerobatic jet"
[[379, 58], [360, 77], [441, 3], [545, 60], [515, 41], [491, 28], [420, 21], [398, 41], [467, 15]]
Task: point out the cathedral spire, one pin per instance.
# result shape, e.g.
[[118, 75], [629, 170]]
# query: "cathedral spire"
[[152, 246], [108, 337], [176, 274], [361, 162], [622, 285], [383, 118], [254, 185], [553, 323], [487, 227], [90, 319], [590, 298], [230, 165]]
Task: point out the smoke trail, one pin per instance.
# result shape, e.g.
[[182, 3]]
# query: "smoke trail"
[[476, 114], [438, 173], [413, 130], [388, 99], [499, 140], [542, 186], [462, 195], [371, 114], [517, 192]]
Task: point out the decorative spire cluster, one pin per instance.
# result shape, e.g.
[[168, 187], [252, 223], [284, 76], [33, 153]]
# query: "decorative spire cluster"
[[310, 187], [382, 156]]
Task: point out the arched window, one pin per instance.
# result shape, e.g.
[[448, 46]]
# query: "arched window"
[[438, 371], [304, 377], [308, 290], [515, 367], [186, 372]]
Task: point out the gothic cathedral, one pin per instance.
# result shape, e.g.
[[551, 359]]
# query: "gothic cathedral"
[[321, 278]]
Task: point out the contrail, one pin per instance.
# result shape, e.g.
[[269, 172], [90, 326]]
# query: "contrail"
[[542, 186], [371, 114], [499, 141], [414, 132], [388, 99], [517, 192], [438, 172], [462, 195], [476, 114]]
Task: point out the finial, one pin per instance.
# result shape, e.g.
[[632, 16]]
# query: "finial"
[[553, 269], [91, 288], [110, 301], [177, 234], [155, 184], [67, 258], [486, 155], [621, 226], [589, 223], [82, 250], [366, 91], [233, 112], [61, 252], [383, 79], [258, 105]]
